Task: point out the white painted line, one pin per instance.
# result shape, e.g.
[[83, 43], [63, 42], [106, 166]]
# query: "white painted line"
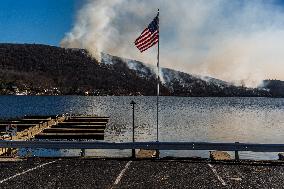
[[218, 176], [29, 170], [117, 180]]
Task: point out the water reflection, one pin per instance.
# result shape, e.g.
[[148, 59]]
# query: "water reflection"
[[255, 120]]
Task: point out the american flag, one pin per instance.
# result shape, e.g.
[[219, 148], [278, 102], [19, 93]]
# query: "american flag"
[[149, 37]]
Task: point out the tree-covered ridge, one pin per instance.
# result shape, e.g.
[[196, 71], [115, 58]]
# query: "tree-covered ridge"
[[71, 71], [41, 69]]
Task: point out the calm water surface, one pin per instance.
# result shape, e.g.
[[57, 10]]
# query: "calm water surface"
[[254, 120]]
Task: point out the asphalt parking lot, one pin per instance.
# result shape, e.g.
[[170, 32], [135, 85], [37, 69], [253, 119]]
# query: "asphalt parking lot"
[[124, 173]]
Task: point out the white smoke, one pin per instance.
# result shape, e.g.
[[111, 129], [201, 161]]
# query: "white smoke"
[[237, 41]]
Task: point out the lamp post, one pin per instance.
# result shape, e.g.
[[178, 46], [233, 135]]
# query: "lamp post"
[[133, 136]]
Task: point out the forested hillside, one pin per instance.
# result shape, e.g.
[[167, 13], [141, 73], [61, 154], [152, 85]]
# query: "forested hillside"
[[40, 68], [46, 70]]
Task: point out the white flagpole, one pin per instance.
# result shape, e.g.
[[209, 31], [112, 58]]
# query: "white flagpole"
[[158, 81]]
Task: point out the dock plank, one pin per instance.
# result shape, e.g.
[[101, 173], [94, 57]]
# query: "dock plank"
[[96, 136], [18, 124], [80, 126], [83, 123], [87, 120], [72, 130]]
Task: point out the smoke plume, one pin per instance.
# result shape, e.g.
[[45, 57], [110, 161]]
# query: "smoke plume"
[[237, 41]]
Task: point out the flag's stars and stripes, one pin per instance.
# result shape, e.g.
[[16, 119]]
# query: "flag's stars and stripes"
[[149, 37]]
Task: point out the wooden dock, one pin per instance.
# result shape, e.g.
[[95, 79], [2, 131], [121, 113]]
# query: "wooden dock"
[[77, 128], [27, 128], [54, 128]]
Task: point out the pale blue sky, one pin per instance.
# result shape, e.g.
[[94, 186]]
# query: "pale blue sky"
[[36, 21], [41, 21]]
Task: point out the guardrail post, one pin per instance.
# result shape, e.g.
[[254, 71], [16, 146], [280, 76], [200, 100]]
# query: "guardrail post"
[[133, 127], [56, 120], [83, 152], [237, 153], [9, 150]]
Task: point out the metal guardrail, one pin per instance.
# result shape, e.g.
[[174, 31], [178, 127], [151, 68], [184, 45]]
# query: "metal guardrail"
[[144, 145]]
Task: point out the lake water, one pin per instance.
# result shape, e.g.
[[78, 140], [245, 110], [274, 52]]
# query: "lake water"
[[253, 120]]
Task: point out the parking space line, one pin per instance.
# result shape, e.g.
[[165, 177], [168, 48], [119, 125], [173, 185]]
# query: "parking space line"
[[217, 175], [29, 170], [117, 180]]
